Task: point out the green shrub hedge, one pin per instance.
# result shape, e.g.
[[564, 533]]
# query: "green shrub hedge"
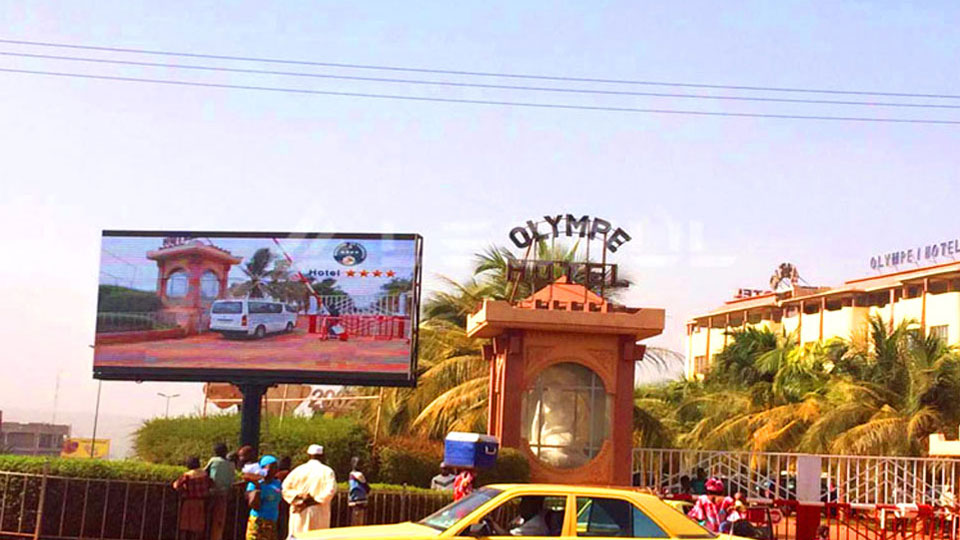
[[398, 461], [130, 470], [399, 465], [114, 299], [511, 468], [91, 468], [414, 464], [172, 440]]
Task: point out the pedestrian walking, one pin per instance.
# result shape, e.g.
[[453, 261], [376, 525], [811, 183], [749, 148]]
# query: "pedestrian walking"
[[194, 489], [222, 473], [312, 311], [358, 494], [263, 498], [705, 511], [309, 490], [444, 480]]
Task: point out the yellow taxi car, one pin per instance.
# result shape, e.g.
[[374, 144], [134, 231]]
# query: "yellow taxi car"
[[539, 511], [684, 507]]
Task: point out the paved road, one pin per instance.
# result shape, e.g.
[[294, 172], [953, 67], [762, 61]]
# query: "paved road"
[[284, 351]]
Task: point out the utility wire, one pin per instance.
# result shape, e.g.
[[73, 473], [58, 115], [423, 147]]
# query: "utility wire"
[[478, 85], [477, 73], [480, 101]]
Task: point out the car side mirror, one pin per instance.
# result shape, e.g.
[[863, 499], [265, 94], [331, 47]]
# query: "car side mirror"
[[480, 529]]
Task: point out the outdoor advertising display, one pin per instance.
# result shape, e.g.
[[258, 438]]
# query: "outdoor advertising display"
[[258, 307]]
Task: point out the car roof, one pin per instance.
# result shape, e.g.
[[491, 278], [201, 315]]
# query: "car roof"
[[574, 489], [674, 521], [269, 300]]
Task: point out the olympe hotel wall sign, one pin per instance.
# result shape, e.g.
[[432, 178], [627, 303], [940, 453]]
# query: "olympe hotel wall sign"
[[919, 255]]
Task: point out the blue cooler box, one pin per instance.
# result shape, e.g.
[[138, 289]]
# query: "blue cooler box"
[[470, 450]]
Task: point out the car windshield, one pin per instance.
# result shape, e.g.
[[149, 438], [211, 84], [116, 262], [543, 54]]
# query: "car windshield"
[[444, 518], [227, 307]]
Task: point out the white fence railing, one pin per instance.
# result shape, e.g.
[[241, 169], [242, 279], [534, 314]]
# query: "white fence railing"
[[865, 480], [761, 476], [889, 480], [392, 305]]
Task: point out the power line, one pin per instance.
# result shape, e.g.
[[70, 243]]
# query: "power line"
[[481, 101], [478, 85], [478, 73]]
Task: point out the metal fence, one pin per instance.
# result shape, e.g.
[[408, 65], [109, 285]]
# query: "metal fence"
[[857, 480], [59, 508], [135, 321]]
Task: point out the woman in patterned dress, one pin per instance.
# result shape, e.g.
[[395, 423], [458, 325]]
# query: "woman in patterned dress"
[[194, 489]]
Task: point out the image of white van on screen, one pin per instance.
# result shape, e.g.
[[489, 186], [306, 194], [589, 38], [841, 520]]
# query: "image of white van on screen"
[[250, 317]]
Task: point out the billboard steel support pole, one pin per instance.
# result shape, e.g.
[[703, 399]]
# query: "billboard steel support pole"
[[250, 414], [96, 420]]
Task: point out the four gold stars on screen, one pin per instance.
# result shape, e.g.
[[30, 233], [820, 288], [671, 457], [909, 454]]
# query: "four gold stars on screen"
[[374, 273]]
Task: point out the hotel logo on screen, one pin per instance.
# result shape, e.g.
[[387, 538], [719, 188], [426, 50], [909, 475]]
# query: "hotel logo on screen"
[[258, 307], [350, 253]]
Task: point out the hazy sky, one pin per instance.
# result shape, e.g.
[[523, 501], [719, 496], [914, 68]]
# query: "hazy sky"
[[713, 204]]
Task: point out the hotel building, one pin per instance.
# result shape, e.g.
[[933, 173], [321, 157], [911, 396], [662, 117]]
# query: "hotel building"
[[928, 297]]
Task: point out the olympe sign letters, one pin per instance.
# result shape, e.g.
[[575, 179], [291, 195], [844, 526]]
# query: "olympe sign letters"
[[918, 255], [568, 225], [541, 273]]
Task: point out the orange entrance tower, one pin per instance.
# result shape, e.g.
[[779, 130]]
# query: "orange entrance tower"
[[562, 378], [190, 276]]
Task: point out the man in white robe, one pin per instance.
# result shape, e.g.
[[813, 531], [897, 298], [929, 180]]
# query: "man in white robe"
[[309, 490]]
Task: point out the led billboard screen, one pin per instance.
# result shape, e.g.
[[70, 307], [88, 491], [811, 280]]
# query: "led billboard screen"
[[258, 307]]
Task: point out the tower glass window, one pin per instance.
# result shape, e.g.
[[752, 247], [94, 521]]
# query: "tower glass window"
[[566, 415], [177, 284], [209, 286]]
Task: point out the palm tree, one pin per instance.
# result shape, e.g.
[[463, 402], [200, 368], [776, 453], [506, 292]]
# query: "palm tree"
[[491, 281], [881, 393], [268, 276], [452, 387], [906, 392]]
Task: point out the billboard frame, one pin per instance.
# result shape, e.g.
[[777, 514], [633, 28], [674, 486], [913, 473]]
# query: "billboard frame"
[[273, 377]]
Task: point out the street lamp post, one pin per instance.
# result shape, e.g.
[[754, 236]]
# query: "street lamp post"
[[168, 397]]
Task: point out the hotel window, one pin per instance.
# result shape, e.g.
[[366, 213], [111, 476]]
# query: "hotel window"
[[46, 440], [938, 287], [941, 331], [20, 440], [700, 364], [880, 299]]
